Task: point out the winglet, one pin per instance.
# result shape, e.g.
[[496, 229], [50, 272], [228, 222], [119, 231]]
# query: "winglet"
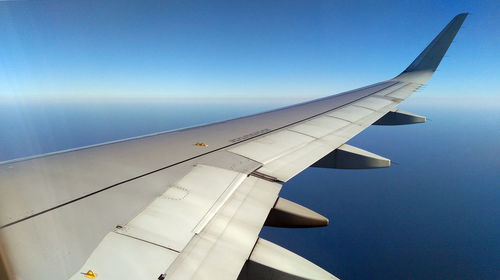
[[430, 58]]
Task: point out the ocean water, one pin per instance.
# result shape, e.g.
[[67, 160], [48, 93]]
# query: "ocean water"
[[434, 214]]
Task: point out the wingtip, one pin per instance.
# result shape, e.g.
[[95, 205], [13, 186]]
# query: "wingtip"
[[429, 59], [461, 16]]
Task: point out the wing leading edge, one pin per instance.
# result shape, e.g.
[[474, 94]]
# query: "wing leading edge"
[[62, 214]]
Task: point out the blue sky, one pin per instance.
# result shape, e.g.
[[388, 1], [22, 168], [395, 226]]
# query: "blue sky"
[[220, 51], [209, 52]]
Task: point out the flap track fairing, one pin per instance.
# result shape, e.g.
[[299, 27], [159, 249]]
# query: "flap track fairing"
[[269, 261], [399, 117], [350, 157], [288, 214]]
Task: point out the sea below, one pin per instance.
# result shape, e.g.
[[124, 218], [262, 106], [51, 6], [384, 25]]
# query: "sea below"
[[434, 214]]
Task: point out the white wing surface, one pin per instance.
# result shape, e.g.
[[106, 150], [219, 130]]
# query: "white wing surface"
[[189, 204]]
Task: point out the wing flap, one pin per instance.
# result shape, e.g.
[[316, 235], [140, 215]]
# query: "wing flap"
[[269, 147], [350, 113], [320, 126], [220, 250], [189, 205], [294, 161], [121, 257], [291, 164], [373, 103]]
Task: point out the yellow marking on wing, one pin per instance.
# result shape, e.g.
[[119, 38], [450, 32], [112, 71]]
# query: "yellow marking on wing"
[[90, 274], [201, 144]]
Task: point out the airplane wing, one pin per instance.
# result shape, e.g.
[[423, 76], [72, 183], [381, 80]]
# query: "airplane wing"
[[189, 204]]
